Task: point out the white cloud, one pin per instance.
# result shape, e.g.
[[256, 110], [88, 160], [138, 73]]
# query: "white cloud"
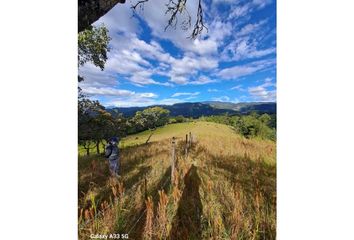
[[240, 11], [261, 3], [219, 30], [202, 80], [222, 99], [203, 46], [129, 58], [94, 91], [142, 102], [178, 94], [262, 92], [222, 1], [251, 28], [246, 69], [268, 82], [183, 69], [247, 43], [93, 76], [213, 90], [119, 97], [119, 19], [238, 87]]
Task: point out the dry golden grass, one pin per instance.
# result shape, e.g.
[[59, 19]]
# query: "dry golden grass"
[[148, 229], [224, 189]]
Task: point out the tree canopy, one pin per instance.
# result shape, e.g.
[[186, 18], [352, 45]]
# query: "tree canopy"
[[93, 46], [150, 118]]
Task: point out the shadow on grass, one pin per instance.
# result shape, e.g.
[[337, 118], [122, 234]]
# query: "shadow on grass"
[[187, 221], [163, 184]]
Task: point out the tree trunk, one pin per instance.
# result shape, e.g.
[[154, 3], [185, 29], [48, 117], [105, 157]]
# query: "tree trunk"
[[91, 10], [149, 138], [98, 147]]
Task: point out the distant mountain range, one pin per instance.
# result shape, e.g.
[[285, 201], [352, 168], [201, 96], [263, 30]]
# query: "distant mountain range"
[[208, 108]]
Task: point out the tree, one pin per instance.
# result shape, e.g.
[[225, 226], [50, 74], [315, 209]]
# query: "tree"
[[96, 125], [93, 46], [91, 10], [155, 117], [180, 119], [105, 126], [150, 118], [265, 118], [86, 124]]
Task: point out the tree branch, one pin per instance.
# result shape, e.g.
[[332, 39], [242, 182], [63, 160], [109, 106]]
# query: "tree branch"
[[134, 6], [199, 24], [174, 8]]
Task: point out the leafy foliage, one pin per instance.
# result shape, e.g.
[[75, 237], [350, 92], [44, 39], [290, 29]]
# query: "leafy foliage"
[[93, 46], [97, 125], [250, 126], [149, 118]]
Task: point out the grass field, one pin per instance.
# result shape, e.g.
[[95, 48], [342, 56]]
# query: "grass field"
[[224, 189]]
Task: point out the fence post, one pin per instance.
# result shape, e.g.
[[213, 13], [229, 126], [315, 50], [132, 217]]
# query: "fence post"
[[173, 158], [145, 183], [186, 147], [190, 138]]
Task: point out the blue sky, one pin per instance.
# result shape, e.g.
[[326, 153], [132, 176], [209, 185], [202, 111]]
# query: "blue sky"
[[234, 61]]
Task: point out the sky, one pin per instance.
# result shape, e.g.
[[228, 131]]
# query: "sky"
[[233, 61]]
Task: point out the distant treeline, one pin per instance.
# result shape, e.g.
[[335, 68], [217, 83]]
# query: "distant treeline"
[[199, 109], [97, 125]]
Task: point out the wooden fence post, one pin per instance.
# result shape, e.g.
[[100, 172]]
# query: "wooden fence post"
[[173, 158], [186, 147], [145, 183], [190, 137]]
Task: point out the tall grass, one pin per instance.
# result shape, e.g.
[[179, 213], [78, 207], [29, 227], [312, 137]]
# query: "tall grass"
[[224, 189]]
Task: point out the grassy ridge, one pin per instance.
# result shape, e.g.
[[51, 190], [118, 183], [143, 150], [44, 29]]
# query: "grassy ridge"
[[224, 189]]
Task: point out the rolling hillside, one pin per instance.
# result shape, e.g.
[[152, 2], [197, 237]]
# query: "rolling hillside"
[[199, 109], [224, 188]]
